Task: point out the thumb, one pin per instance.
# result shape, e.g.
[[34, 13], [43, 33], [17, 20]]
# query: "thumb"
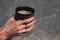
[[11, 19]]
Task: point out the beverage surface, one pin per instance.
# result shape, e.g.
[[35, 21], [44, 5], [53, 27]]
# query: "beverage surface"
[[21, 15]]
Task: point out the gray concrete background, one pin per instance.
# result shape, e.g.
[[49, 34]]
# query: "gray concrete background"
[[47, 26]]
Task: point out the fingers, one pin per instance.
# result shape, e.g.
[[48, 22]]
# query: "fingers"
[[30, 28], [29, 19], [25, 30], [31, 23], [25, 21], [21, 31], [20, 27], [20, 22]]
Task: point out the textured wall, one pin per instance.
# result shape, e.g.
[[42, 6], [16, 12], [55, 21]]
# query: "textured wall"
[[47, 15]]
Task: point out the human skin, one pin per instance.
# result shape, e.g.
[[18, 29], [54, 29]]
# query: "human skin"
[[12, 27]]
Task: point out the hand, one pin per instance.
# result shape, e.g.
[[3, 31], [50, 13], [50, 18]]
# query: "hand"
[[30, 24], [17, 27]]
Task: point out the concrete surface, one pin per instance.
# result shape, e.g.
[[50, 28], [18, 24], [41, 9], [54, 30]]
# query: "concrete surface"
[[47, 26]]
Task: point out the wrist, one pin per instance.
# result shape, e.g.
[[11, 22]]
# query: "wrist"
[[3, 35]]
